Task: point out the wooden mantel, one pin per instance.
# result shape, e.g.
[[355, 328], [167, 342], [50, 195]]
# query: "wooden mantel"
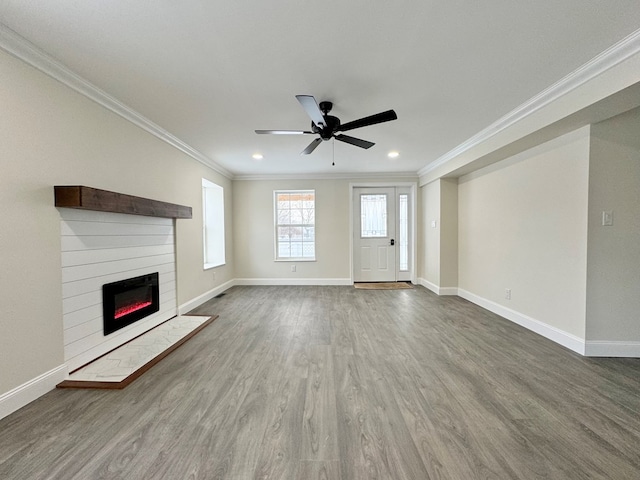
[[87, 198]]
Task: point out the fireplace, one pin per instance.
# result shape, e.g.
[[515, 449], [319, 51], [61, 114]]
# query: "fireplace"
[[128, 301]]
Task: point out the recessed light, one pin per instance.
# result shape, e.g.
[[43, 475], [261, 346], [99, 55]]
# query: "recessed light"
[[257, 156], [393, 154]]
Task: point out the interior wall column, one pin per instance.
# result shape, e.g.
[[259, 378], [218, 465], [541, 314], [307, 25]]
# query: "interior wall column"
[[440, 236]]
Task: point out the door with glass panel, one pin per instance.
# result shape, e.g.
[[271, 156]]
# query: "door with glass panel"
[[382, 232], [374, 235]]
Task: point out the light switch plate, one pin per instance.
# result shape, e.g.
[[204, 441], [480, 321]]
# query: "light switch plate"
[[607, 218]]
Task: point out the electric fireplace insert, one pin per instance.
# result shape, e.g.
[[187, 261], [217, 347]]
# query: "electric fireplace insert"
[[128, 301]]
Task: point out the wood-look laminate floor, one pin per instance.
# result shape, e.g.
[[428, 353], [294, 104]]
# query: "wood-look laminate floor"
[[340, 383]]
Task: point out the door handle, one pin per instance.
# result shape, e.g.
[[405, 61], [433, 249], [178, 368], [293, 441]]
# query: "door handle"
[[393, 242]]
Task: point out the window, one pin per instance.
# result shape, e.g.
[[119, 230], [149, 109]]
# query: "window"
[[213, 224], [373, 210], [403, 234], [295, 215]]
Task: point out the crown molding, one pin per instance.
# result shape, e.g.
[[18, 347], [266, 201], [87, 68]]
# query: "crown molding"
[[408, 176], [26, 51], [614, 55]]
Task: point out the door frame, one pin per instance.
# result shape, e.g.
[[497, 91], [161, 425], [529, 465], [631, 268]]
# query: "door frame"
[[413, 219]]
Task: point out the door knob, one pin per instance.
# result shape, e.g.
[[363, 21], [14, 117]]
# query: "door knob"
[[393, 242]]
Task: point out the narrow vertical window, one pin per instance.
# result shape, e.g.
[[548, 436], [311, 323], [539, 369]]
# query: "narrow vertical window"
[[213, 224], [403, 234], [295, 218]]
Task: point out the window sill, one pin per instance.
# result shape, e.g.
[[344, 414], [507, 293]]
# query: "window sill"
[[209, 266], [294, 260]]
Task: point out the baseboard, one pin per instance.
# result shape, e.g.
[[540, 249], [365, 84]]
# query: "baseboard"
[[293, 281], [448, 290], [428, 285], [31, 390], [205, 297], [603, 348], [561, 337], [436, 289]]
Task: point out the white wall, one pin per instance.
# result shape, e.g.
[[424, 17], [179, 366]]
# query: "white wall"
[[430, 248], [51, 135], [613, 282], [523, 226], [449, 233], [254, 231], [439, 247]]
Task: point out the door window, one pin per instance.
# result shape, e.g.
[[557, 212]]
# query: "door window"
[[373, 213]]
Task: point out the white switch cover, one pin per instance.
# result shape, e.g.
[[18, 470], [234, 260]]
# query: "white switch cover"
[[607, 219], [433, 224]]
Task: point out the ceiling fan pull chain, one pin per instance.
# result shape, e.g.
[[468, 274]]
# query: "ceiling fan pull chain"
[[333, 162]]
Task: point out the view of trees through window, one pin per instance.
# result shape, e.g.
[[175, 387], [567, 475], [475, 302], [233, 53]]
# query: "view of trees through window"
[[295, 224]]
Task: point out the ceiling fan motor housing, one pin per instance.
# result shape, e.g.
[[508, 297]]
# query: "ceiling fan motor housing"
[[331, 125], [325, 107]]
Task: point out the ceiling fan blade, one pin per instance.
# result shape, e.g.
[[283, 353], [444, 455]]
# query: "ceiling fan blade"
[[354, 141], [312, 146], [313, 110], [370, 120], [284, 132]]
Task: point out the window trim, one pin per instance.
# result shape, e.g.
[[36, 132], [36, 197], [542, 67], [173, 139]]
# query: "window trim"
[[276, 257], [209, 185]]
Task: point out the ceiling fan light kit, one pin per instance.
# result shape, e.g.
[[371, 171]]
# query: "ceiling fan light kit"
[[328, 126]]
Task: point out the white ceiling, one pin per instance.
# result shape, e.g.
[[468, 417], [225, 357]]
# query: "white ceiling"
[[211, 72]]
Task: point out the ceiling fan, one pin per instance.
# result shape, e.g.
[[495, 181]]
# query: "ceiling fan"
[[327, 126]]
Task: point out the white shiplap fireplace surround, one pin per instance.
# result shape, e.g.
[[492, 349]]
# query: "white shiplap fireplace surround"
[[100, 247]]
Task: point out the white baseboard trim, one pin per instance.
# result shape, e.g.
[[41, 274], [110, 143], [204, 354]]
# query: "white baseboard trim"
[[448, 290], [561, 337], [205, 297], [293, 281], [33, 389], [428, 285], [436, 289], [604, 348]]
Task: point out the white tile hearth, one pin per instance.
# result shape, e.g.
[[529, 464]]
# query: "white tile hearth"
[[124, 361]]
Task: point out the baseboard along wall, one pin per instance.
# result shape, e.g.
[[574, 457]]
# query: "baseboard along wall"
[[600, 348], [554, 334], [205, 297], [26, 393], [437, 289]]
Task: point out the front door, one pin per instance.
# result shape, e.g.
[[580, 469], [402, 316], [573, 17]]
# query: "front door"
[[374, 234]]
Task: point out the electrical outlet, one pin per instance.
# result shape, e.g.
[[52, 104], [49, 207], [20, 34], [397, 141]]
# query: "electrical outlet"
[[507, 293], [214, 274], [293, 268]]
